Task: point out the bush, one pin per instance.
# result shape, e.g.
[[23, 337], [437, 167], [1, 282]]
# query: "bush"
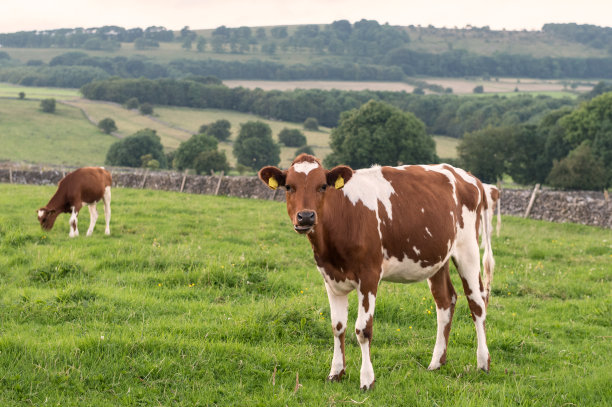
[[21, 95], [311, 124], [292, 138], [254, 146], [581, 169], [146, 109], [132, 103], [107, 125], [212, 160], [219, 129], [129, 151], [189, 150], [48, 105], [478, 89]]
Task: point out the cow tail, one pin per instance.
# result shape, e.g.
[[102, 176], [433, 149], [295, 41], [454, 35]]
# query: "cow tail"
[[498, 214], [488, 262]]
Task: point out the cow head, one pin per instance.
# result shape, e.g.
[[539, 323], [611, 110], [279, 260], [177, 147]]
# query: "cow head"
[[47, 217], [307, 184]]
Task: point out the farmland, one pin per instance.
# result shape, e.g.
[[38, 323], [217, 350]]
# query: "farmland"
[[218, 302]]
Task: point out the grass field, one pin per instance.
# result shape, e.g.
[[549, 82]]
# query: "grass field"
[[64, 137], [218, 302]]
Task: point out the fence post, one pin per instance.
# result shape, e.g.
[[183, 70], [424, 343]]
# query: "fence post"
[[144, 179], [184, 178], [533, 196], [10, 175], [219, 183]]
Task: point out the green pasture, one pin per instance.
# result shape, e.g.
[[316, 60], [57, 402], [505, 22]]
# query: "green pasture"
[[8, 90], [197, 300], [62, 138]]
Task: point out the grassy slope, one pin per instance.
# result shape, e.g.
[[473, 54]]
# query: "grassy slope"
[[78, 142], [64, 137], [219, 302]]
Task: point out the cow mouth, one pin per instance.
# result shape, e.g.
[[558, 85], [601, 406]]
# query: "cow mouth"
[[302, 229]]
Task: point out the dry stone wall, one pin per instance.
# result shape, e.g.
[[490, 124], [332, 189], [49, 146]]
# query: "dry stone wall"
[[585, 207]]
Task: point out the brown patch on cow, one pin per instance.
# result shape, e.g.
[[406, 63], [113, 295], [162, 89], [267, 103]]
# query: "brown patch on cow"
[[339, 326], [337, 377], [445, 297], [429, 235]]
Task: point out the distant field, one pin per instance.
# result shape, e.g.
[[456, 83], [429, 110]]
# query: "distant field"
[[8, 90], [218, 303], [65, 137], [459, 86], [446, 147]]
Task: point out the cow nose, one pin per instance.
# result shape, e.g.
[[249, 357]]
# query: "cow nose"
[[306, 218]]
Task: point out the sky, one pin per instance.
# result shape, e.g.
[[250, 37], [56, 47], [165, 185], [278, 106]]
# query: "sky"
[[29, 15]]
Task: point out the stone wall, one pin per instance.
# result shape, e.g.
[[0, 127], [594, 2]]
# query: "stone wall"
[[585, 207]]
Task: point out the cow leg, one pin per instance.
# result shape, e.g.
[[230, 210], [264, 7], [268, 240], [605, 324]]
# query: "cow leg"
[[467, 261], [107, 209], [363, 329], [338, 305], [93, 217], [73, 222], [445, 297]]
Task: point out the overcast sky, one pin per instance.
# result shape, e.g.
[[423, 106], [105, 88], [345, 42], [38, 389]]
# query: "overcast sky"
[[27, 15]]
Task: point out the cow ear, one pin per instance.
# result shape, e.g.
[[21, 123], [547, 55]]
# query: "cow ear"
[[272, 177], [338, 176]]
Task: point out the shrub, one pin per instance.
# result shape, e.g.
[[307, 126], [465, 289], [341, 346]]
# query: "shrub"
[[129, 151], [304, 150], [292, 138], [219, 129], [189, 150], [21, 95], [478, 89], [212, 160], [107, 125], [311, 124], [254, 146], [146, 109], [48, 105], [132, 103], [581, 169]]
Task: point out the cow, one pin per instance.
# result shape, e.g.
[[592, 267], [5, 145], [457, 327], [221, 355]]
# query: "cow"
[[399, 224], [83, 186]]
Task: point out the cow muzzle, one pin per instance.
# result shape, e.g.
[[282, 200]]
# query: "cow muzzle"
[[305, 221]]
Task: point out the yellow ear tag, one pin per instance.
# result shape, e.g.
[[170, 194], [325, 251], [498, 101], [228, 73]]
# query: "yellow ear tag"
[[272, 182], [339, 182]]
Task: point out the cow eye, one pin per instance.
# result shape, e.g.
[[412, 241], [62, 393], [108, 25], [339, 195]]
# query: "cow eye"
[[323, 188], [289, 188]]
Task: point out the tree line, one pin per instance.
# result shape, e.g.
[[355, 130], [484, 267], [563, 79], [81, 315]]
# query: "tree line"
[[442, 114]]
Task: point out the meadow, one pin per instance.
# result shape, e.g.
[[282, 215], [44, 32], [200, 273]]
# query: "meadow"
[[198, 300]]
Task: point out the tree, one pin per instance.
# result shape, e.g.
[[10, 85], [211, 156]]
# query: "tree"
[[146, 109], [21, 95], [188, 151], [304, 150], [581, 169], [48, 105], [131, 103], [201, 44], [479, 89], [219, 129], [254, 146], [212, 160], [483, 152], [378, 133], [129, 151], [292, 137], [107, 125], [311, 123]]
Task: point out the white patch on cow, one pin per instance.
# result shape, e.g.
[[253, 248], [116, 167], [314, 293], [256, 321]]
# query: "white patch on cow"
[[305, 167], [428, 232], [466, 177], [337, 287], [73, 222], [370, 187], [443, 317], [107, 209], [422, 210], [417, 251], [338, 305], [366, 377], [407, 270], [41, 213]]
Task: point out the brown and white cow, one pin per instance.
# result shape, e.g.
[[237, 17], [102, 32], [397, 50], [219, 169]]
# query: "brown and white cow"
[[400, 224], [83, 186], [493, 197]]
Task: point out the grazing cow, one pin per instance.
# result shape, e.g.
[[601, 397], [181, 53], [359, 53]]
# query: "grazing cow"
[[83, 186], [400, 224]]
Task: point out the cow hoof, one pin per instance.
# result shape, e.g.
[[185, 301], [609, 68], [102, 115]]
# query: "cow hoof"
[[367, 387], [336, 377], [434, 366]]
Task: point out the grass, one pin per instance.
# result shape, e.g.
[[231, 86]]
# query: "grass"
[[218, 302], [64, 137], [8, 90]]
